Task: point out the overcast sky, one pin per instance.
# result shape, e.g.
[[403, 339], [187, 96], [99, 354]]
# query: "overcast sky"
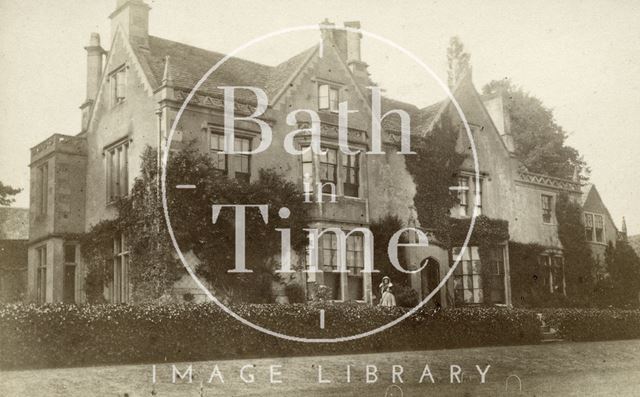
[[582, 58]]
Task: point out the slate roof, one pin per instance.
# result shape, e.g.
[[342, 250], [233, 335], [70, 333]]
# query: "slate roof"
[[188, 64], [14, 223]]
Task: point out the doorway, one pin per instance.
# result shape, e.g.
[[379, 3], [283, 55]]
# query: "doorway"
[[429, 281]]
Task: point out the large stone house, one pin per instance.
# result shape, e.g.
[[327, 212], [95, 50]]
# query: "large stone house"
[[134, 91]]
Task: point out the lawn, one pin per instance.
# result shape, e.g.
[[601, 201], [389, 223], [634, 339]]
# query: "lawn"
[[561, 369]]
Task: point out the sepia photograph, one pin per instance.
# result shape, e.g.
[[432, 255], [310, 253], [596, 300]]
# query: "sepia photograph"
[[336, 198]]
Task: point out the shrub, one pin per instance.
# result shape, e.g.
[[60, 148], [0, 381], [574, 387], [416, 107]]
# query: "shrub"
[[188, 297], [594, 324], [405, 296], [295, 293], [61, 335]]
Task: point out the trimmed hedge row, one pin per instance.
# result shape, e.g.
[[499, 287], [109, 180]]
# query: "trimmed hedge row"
[[594, 324], [67, 335]]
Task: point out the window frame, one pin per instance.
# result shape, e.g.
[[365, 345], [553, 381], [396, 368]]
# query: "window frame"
[[328, 164], [549, 264], [43, 194], [597, 229], [547, 212], [306, 159], [468, 196], [589, 226], [118, 85], [351, 163], [237, 159], [219, 152], [325, 100], [472, 257], [41, 274], [69, 264], [117, 186], [120, 291], [593, 233], [354, 253]]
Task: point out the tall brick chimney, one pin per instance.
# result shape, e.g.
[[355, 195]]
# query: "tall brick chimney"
[[133, 18], [95, 52]]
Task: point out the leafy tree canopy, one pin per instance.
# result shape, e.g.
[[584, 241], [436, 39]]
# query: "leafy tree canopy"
[[624, 267], [540, 142], [6, 194]]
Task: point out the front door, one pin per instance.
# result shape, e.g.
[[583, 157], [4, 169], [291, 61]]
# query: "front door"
[[430, 280]]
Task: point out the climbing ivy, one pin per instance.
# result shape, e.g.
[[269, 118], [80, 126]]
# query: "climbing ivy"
[[579, 264], [527, 284], [433, 169], [154, 266]]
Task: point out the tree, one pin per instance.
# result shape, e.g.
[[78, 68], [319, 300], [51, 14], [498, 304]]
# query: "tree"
[[624, 268], [579, 264], [6, 194], [458, 61], [540, 142]]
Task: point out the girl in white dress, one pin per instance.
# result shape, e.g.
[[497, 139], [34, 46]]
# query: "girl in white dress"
[[387, 298]]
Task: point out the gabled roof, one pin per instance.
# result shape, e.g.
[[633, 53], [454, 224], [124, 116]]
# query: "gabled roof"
[[588, 190], [189, 64]]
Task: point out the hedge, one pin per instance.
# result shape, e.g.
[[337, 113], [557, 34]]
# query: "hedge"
[[61, 335], [594, 324]]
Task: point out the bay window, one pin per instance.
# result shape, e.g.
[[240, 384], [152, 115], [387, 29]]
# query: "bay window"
[[599, 228], [328, 170], [588, 226], [477, 280]]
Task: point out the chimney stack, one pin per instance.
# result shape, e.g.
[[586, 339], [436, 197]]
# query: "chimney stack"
[[354, 58], [95, 52], [133, 18], [353, 42]]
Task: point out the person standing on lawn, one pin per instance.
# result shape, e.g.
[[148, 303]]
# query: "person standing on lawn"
[[386, 296]]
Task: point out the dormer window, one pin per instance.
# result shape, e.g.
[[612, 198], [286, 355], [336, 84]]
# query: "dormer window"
[[117, 82], [328, 97]]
